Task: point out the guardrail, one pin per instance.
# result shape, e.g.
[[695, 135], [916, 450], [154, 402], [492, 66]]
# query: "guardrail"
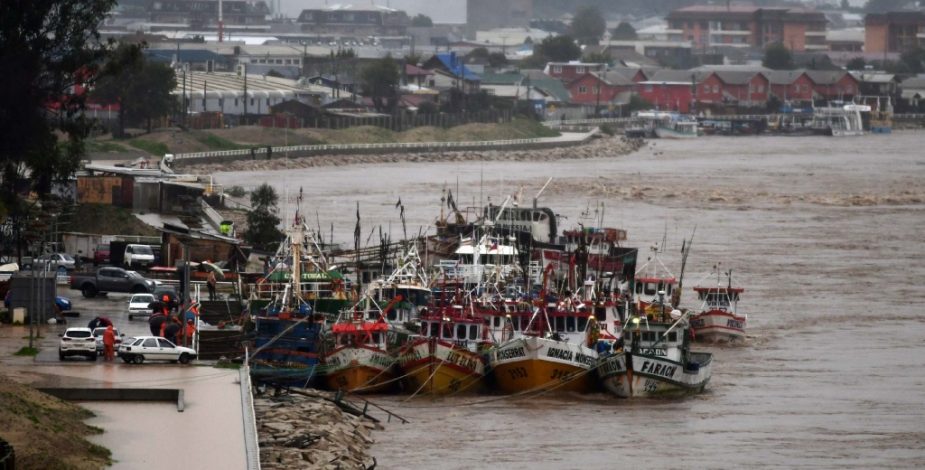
[[909, 116], [586, 122], [251, 438], [260, 153]]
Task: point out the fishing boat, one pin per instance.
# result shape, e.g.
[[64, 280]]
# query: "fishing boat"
[[359, 360], [287, 329], [839, 120], [678, 127], [554, 351], [447, 356], [718, 320], [655, 360]]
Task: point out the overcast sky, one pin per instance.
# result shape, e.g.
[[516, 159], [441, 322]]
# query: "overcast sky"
[[441, 11]]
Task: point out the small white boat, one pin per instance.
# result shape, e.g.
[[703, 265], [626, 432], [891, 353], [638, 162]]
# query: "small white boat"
[[839, 120]]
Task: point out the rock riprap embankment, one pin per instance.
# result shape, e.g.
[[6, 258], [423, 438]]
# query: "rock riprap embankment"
[[297, 431]]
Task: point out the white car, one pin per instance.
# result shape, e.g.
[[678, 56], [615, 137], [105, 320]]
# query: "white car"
[[77, 342], [154, 348], [138, 305], [98, 335], [56, 262]]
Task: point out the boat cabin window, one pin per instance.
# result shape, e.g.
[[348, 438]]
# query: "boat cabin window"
[[473, 332], [651, 288], [392, 315], [570, 323], [461, 331], [375, 337], [496, 321], [434, 329], [515, 323], [627, 335], [582, 323], [673, 337], [424, 327], [600, 313], [447, 331], [648, 336], [560, 323]]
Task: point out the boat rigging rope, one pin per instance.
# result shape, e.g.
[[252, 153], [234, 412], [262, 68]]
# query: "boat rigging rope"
[[424, 384]]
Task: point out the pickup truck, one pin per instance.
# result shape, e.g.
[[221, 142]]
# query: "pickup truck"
[[111, 279]]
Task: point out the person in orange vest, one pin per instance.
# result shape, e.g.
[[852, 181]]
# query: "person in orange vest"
[[109, 343], [163, 328]]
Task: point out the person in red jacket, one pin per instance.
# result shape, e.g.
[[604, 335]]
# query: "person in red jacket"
[[109, 344]]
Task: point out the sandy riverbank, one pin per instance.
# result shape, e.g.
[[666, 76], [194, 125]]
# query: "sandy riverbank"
[[597, 148]]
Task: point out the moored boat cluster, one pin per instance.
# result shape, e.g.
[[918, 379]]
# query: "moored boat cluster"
[[504, 304]]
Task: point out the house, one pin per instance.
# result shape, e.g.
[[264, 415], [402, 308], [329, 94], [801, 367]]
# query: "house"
[[596, 88], [913, 94], [667, 95], [894, 31], [877, 83], [569, 71], [790, 86], [417, 75], [740, 87], [450, 72], [833, 84]]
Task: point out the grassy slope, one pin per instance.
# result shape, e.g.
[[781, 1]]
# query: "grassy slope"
[[100, 218], [45, 432]]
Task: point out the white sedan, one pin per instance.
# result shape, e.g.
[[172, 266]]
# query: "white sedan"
[[138, 305], [154, 348]]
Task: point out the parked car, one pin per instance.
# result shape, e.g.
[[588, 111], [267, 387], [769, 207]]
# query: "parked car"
[[54, 262], [139, 305], [154, 348], [98, 335], [138, 255], [101, 254], [77, 342], [111, 279]]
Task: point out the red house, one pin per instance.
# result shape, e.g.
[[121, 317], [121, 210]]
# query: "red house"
[[833, 84], [744, 88], [667, 96], [790, 85], [569, 71], [597, 88]]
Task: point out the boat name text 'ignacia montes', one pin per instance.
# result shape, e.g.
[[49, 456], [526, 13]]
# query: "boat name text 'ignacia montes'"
[[511, 353], [658, 369], [567, 355]]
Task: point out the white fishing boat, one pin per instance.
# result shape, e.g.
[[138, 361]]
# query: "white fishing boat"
[[655, 361], [718, 320]]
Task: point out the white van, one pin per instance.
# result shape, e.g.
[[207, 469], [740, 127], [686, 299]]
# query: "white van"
[[138, 255]]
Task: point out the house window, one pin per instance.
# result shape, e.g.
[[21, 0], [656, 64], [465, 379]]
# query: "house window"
[[579, 70], [649, 88], [760, 88], [595, 89], [557, 68], [715, 88], [582, 90]]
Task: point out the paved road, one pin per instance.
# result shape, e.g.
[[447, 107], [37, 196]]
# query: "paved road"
[[208, 434]]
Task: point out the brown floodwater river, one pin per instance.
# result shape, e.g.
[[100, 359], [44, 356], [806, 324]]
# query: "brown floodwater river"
[[827, 235]]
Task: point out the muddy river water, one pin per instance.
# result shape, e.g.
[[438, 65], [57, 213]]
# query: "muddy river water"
[[827, 236]]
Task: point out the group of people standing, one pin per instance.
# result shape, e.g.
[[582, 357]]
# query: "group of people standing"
[[179, 327]]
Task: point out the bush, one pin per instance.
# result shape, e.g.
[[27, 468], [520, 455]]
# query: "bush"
[[235, 191]]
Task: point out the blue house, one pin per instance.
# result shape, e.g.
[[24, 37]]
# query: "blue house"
[[450, 72]]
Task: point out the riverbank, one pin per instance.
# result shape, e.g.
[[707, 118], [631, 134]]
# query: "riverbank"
[[298, 431], [596, 148]]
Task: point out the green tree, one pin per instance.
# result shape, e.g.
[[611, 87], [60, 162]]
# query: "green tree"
[[856, 63], [49, 50], [380, 82], [497, 59], [422, 20], [479, 54], [588, 25], [262, 221], [597, 57], [913, 59], [777, 57], [142, 89], [557, 49], [623, 32]]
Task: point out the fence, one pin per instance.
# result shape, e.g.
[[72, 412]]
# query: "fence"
[[398, 122]]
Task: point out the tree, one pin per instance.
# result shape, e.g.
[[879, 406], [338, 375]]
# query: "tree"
[[598, 57], [497, 59], [557, 49], [777, 57], [422, 20], [477, 55], [262, 221], [623, 32], [49, 51], [588, 25], [380, 82], [142, 89], [856, 63], [913, 59]]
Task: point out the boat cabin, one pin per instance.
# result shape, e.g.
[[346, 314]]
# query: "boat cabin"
[[353, 334], [654, 339], [647, 289], [466, 332], [719, 298], [539, 222]]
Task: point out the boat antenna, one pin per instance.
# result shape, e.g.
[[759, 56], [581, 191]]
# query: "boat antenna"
[[685, 250], [535, 198]]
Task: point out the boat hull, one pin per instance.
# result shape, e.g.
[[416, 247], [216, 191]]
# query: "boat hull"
[[665, 133], [437, 367], [359, 370], [628, 375], [717, 326], [533, 364]]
